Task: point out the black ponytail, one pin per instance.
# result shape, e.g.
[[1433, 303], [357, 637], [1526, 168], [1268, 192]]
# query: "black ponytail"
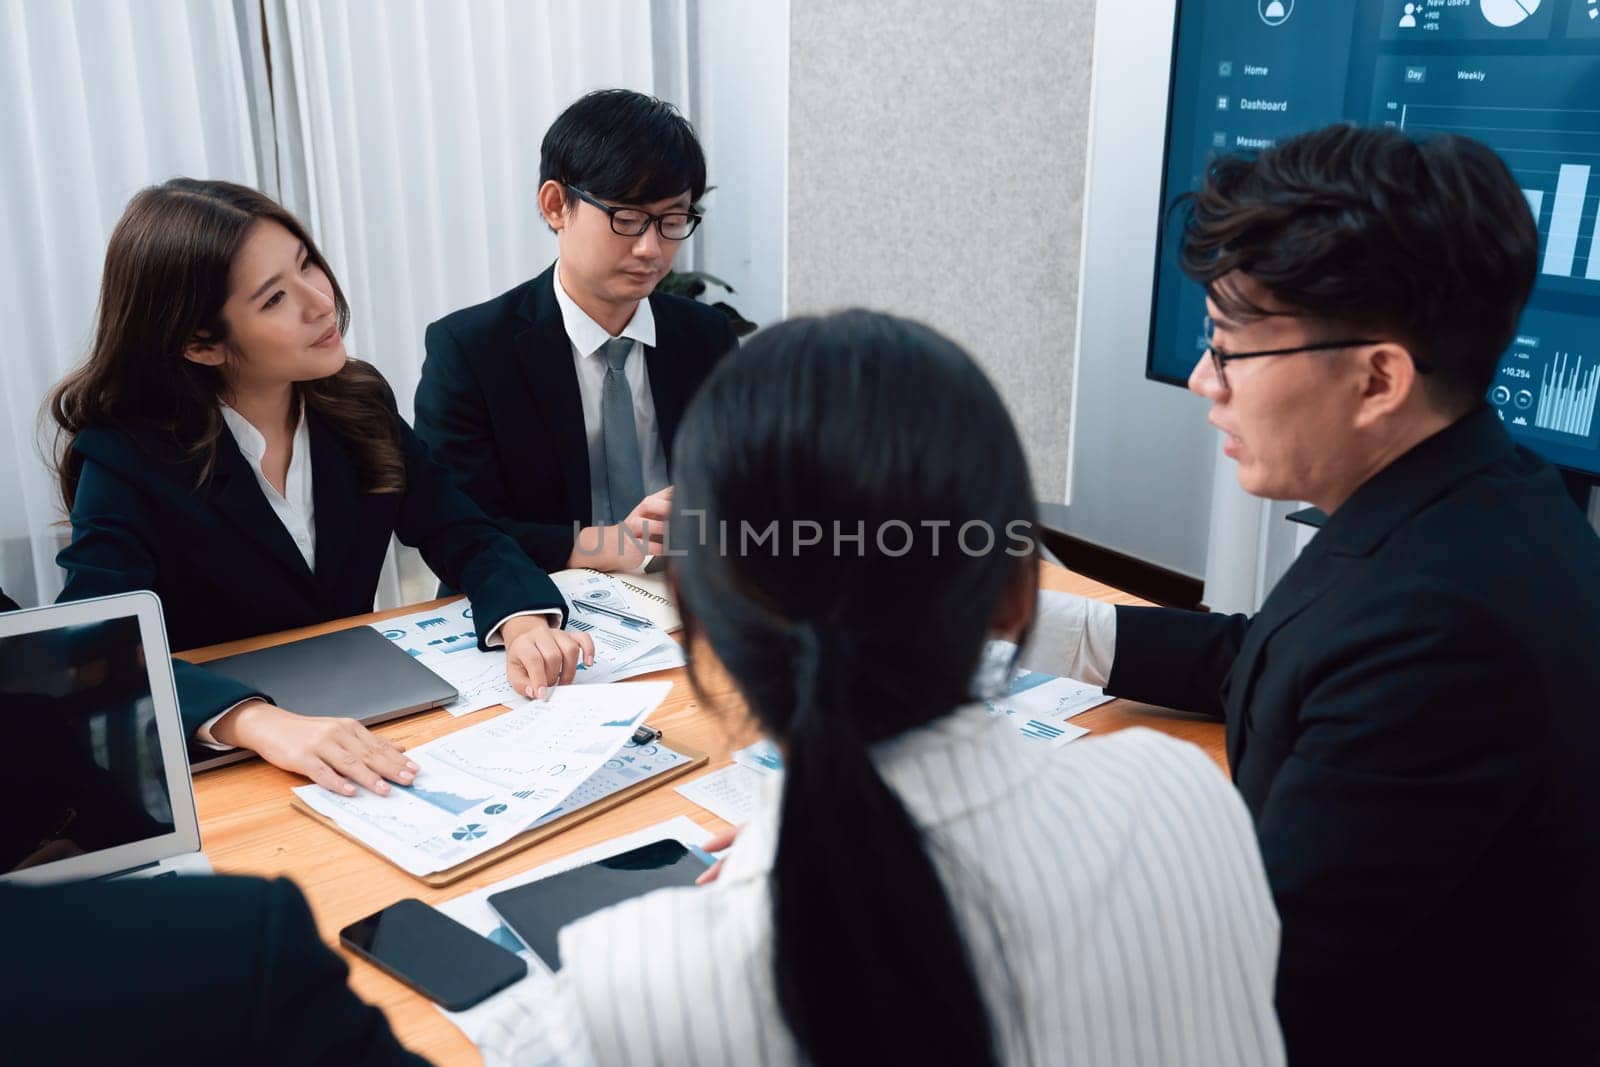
[[862, 925], [853, 423]]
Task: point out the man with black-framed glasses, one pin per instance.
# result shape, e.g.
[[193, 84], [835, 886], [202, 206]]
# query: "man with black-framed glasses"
[[555, 404], [1413, 717]]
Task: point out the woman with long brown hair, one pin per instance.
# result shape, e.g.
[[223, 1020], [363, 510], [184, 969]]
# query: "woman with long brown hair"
[[220, 448]]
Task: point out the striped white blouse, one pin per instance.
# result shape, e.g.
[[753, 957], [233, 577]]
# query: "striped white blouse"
[[1110, 891]]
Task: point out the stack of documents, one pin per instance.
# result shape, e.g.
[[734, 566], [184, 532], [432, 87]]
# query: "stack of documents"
[[626, 642], [446, 642], [485, 784]]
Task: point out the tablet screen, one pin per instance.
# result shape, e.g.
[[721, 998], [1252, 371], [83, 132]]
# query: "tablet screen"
[[88, 774], [536, 912]]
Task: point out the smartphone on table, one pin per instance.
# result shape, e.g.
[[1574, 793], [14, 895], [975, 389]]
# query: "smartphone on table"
[[433, 954]]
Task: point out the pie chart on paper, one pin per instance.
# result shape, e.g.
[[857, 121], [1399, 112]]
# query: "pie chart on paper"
[[1508, 13]]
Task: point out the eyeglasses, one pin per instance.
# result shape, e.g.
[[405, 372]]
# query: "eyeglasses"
[[1220, 360], [632, 222]]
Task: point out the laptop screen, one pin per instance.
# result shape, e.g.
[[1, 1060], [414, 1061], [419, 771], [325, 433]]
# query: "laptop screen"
[[79, 713]]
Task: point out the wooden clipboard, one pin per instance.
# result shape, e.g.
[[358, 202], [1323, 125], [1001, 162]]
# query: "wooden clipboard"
[[530, 837]]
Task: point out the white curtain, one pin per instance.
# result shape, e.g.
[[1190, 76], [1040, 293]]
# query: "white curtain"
[[407, 138], [98, 98], [405, 133]]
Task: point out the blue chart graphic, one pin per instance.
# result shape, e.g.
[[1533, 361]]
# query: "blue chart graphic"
[[619, 723], [1026, 680], [470, 832], [455, 805], [1567, 396], [503, 937], [494, 809], [428, 624], [456, 643], [762, 753], [1041, 731]]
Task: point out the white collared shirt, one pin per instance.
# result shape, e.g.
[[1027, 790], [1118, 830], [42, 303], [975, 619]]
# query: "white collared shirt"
[[293, 506], [1123, 915], [587, 337]]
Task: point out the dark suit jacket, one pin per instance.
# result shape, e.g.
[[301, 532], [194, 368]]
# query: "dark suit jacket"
[[1414, 721], [177, 970], [6, 603], [226, 568], [498, 405]]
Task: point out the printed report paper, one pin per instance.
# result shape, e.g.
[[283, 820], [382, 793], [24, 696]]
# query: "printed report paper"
[[445, 641], [486, 783]]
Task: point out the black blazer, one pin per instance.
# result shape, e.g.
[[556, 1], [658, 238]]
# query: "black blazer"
[[6, 603], [498, 405], [1413, 720], [177, 970], [226, 568]]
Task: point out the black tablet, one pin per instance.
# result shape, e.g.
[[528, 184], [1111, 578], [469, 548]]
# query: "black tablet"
[[536, 912]]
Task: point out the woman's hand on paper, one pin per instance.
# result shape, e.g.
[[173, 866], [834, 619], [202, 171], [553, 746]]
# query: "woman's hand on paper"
[[337, 754], [540, 657]]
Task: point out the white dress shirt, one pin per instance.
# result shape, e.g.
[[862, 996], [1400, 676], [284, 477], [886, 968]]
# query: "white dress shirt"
[[295, 508], [1123, 918], [1073, 636], [587, 337]]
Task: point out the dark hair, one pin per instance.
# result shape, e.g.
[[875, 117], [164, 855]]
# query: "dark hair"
[[859, 420], [165, 283], [1429, 240], [623, 146]]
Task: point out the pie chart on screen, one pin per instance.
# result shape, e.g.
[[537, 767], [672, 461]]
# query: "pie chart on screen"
[[1508, 13]]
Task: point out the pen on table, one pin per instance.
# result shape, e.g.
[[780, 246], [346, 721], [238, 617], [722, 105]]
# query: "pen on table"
[[614, 612]]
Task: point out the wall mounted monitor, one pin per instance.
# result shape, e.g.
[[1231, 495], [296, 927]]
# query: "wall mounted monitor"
[[1522, 76]]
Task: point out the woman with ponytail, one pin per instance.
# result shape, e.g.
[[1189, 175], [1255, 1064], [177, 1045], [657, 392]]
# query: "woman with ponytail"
[[923, 884]]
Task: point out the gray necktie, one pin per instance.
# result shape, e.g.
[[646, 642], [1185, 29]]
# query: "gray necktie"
[[624, 472]]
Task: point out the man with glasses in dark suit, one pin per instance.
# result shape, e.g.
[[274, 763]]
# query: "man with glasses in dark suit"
[[1413, 717], [554, 405]]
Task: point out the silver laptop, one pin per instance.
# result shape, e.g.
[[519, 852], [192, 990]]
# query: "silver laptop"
[[98, 786], [355, 673]]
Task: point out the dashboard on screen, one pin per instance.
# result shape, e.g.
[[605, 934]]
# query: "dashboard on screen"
[[1523, 76]]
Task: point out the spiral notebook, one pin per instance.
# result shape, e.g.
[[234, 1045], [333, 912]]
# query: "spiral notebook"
[[648, 595]]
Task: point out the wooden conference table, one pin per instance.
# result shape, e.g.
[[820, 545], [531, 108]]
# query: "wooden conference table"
[[247, 826]]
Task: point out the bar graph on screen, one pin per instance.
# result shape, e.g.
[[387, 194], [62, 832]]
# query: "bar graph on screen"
[[1567, 395], [1567, 217], [1555, 155]]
